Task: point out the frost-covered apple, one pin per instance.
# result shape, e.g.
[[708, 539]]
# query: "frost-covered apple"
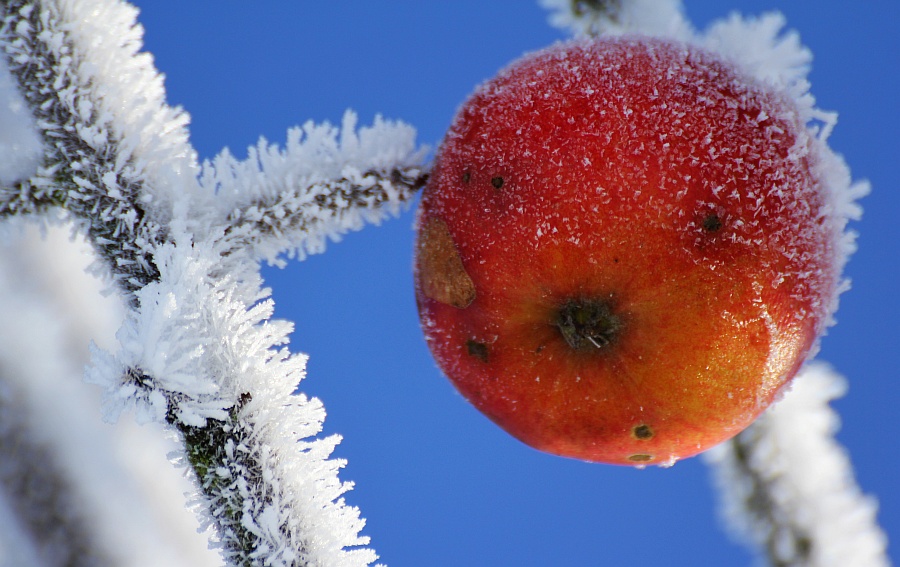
[[624, 253]]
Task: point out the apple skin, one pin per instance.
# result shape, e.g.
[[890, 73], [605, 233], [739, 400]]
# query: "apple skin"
[[623, 253]]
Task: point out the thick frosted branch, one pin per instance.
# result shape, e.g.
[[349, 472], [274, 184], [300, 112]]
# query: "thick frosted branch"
[[221, 375], [199, 349], [787, 486], [201, 353]]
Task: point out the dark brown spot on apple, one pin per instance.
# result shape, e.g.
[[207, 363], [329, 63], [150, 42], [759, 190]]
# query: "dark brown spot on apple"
[[640, 458], [497, 182], [477, 350], [588, 324], [466, 177], [642, 432], [712, 223], [442, 275]]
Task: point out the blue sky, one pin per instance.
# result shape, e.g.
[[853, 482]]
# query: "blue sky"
[[438, 483]]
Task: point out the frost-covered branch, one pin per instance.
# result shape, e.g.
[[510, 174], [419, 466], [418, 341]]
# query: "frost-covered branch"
[[328, 208], [199, 349], [325, 182], [788, 486], [663, 18]]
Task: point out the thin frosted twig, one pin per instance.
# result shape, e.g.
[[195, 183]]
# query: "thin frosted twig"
[[327, 208], [788, 488], [662, 18], [324, 182]]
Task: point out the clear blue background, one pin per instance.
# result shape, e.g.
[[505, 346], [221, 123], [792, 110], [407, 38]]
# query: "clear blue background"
[[438, 483]]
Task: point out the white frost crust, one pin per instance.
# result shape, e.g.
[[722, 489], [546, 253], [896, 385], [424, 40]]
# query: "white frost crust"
[[807, 475], [763, 49], [174, 337]]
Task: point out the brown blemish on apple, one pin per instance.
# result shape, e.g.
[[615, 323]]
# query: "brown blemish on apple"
[[466, 177], [712, 223], [640, 458], [643, 431], [588, 324], [441, 270], [477, 350], [497, 182]]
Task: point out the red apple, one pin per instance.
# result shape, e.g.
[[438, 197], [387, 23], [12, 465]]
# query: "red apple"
[[623, 252]]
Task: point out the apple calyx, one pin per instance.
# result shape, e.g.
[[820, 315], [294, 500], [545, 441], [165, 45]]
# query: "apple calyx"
[[588, 324]]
